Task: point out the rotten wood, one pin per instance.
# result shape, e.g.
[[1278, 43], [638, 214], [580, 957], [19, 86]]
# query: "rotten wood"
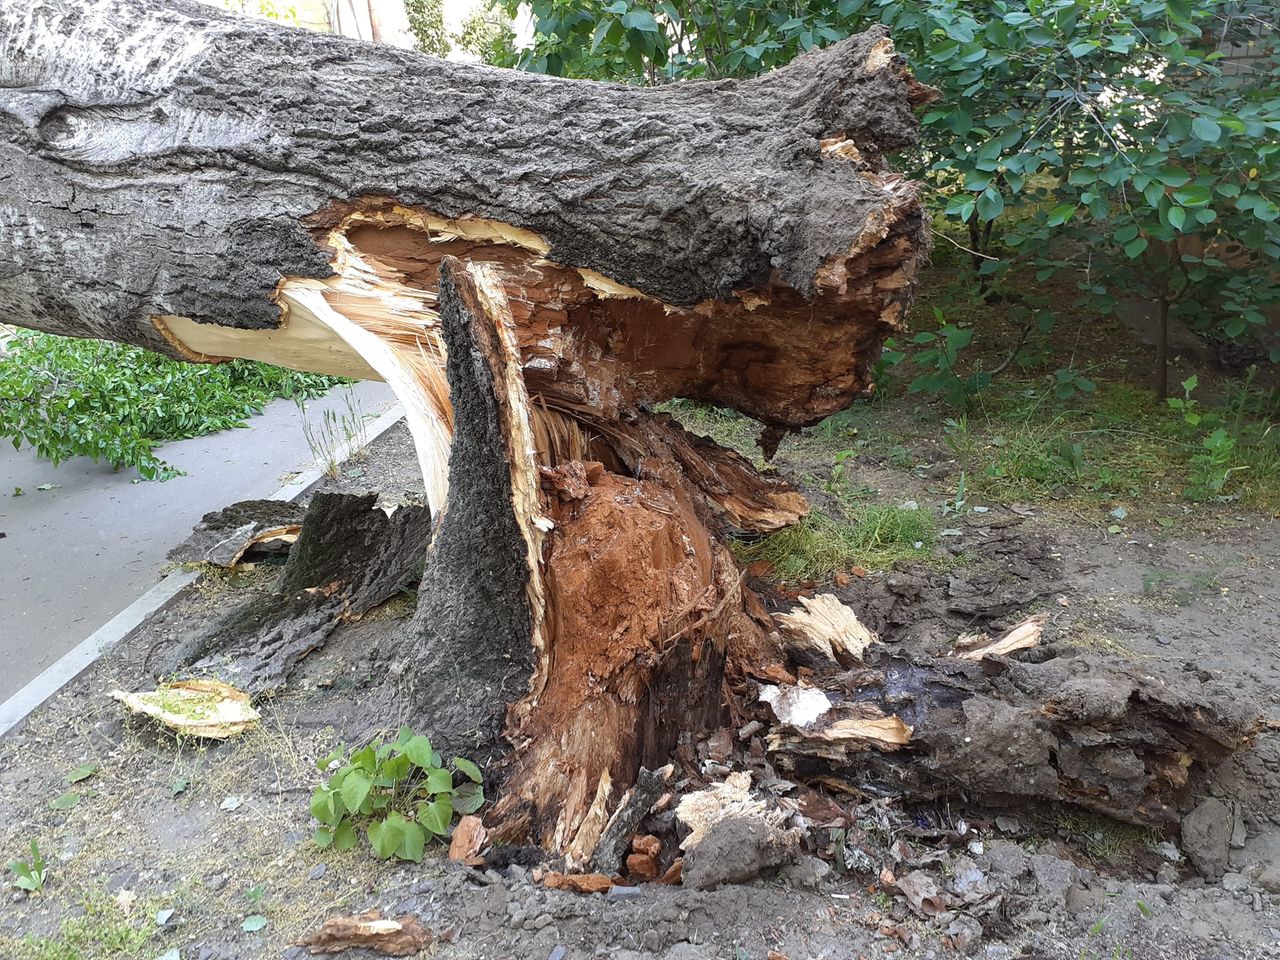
[[369, 931]]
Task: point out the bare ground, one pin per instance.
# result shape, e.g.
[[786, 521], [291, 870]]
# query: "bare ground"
[[217, 832]]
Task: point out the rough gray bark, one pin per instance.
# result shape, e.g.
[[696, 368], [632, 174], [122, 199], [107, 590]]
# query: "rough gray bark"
[[467, 652], [350, 557], [243, 140]]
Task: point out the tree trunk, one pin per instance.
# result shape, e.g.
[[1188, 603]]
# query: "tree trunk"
[[531, 264]]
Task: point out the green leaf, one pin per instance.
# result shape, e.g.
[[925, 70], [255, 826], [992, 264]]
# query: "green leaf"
[[468, 769], [323, 837], [385, 836], [641, 20], [253, 923], [1206, 130], [413, 844], [439, 781], [1061, 214], [1177, 216], [66, 801], [1193, 195], [1126, 233], [344, 838], [1135, 247], [436, 815], [324, 807], [418, 750], [355, 788], [990, 204], [1082, 48], [468, 798], [82, 772], [1153, 193], [1173, 176]]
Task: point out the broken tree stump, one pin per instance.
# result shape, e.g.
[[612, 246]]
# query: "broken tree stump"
[[532, 264]]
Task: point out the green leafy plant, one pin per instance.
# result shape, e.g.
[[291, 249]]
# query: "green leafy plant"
[[67, 398], [399, 793], [31, 873]]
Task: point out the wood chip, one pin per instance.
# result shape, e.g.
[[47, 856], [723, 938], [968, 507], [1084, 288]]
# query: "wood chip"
[[674, 872], [642, 865], [469, 838], [369, 931], [577, 882], [1022, 637], [647, 844], [197, 708]]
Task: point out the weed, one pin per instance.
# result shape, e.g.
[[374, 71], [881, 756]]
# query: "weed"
[[875, 536], [400, 792], [31, 873], [337, 433], [102, 931]]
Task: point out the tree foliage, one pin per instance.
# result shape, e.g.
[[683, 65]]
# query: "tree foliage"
[[1132, 145], [69, 398]]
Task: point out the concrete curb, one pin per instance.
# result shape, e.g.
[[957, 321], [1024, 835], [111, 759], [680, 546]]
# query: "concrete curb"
[[79, 659]]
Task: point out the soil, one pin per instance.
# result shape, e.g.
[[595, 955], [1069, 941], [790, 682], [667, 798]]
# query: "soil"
[[220, 831]]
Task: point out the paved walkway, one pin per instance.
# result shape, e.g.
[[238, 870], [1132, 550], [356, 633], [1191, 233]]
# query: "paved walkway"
[[74, 556]]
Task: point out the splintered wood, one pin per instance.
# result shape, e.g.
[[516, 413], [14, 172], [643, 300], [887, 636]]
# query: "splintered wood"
[[815, 722], [1022, 637], [822, 631]]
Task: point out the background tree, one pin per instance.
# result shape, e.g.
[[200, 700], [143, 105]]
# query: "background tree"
[[1131, 145]]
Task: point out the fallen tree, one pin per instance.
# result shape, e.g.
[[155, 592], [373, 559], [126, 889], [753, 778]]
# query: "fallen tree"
[[531, 263]]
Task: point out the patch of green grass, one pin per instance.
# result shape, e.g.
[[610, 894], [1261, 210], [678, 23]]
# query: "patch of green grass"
[[1104, 839], [875, 536], [102, 932]]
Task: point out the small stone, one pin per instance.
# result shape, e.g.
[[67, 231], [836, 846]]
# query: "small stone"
[[806, 873], [1269, 879], [651, 941], [518, 917], [1168, 851], [1234, 882], [623, 893], [540, 921], [1007, 825], [216, 882], [1167, 874], [318, 871], [558, 953], [1054, 876], [1257, 903], [1081, 901]]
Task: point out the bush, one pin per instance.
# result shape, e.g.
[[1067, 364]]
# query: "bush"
[[70, 398]]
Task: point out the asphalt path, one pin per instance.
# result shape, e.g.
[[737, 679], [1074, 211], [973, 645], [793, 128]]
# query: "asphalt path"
[[76, 553]]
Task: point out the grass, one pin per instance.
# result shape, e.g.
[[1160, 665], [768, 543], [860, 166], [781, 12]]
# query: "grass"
[[103, 930], [1104, 839], [875, 536]]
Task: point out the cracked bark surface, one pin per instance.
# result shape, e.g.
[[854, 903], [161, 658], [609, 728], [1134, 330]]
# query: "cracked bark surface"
[[532, 264]]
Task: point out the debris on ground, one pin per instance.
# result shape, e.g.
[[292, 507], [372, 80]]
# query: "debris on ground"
[[197, 708], [369, 931]]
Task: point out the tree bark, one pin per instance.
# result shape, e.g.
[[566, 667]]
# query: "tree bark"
[[532, 264]]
